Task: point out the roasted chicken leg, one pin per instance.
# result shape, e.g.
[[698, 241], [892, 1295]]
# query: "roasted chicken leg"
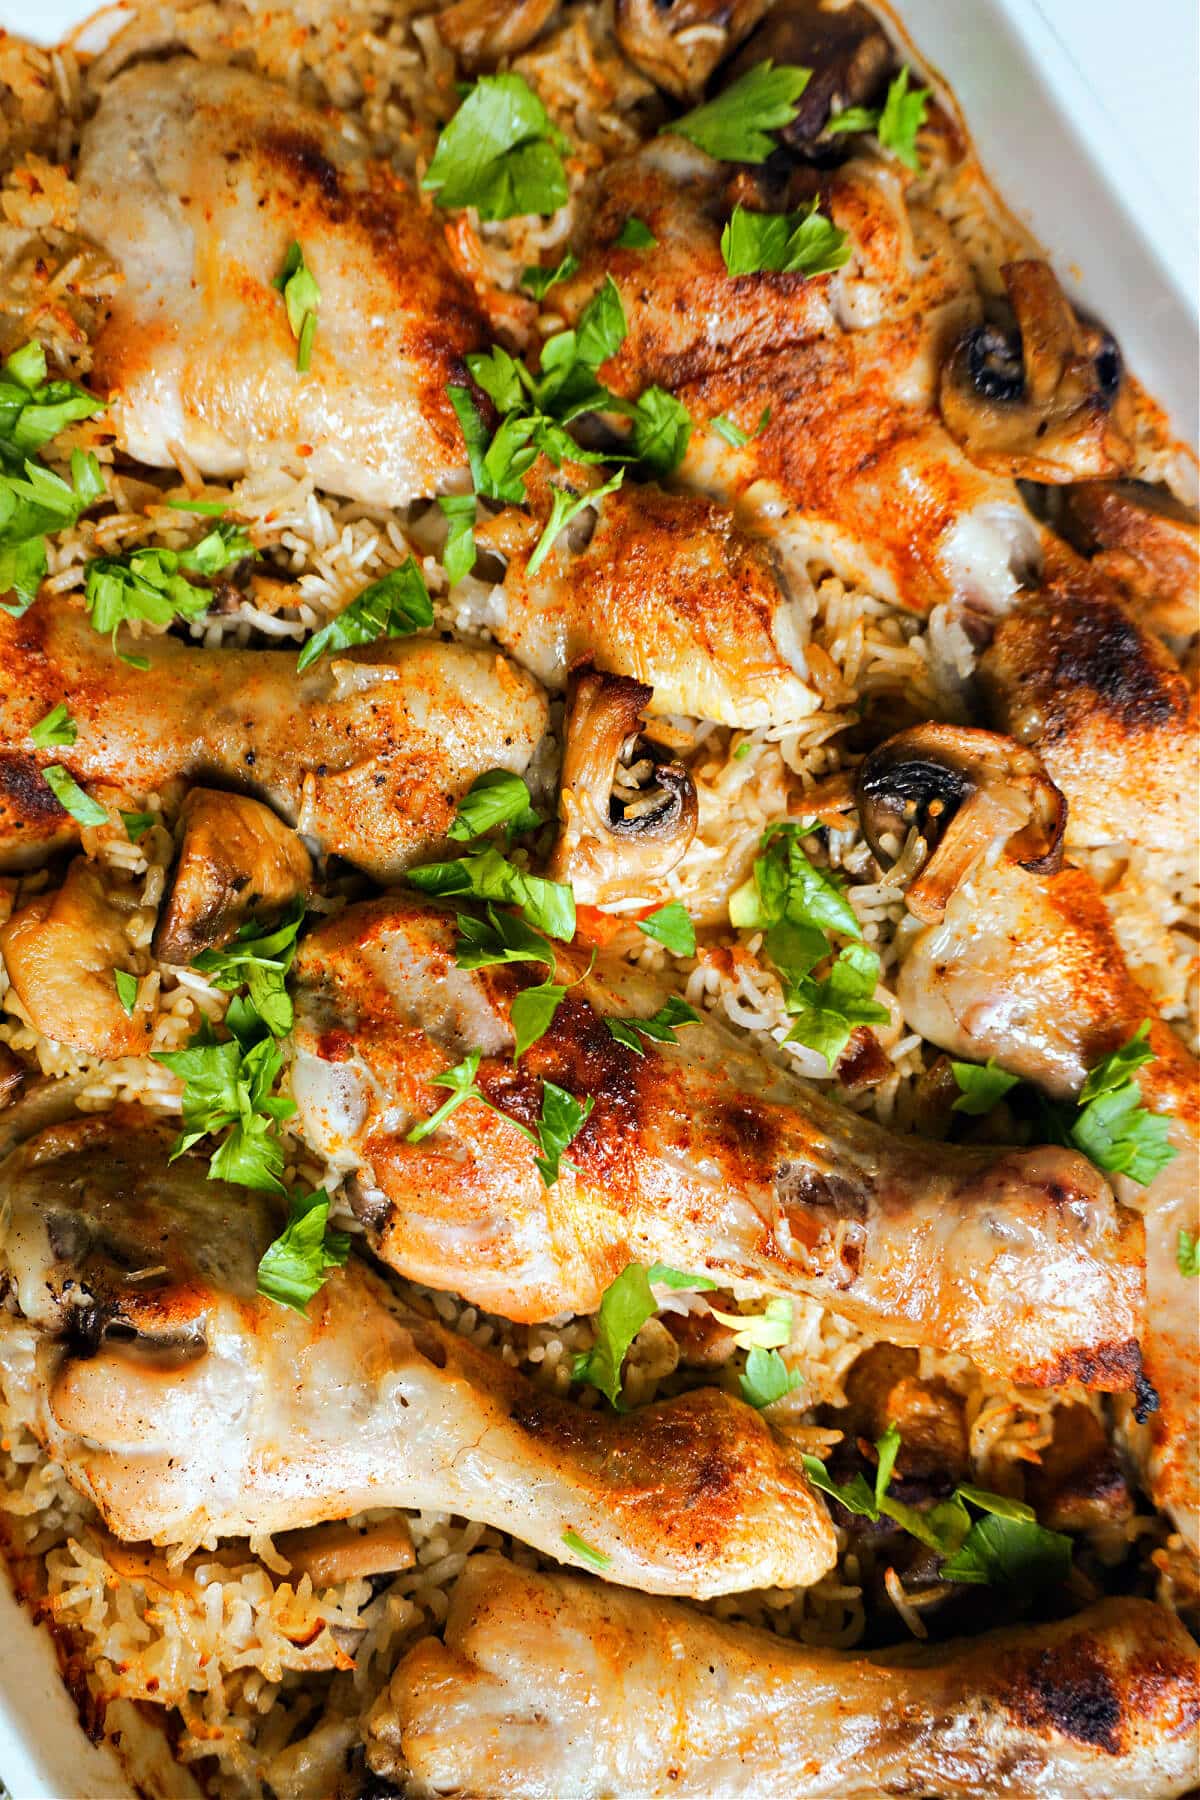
[[700, 1154], [522, 1697], [197, 179], [189, 1408], [366, 752]]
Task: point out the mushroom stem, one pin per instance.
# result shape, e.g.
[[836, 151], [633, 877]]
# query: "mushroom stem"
[[611, 847]]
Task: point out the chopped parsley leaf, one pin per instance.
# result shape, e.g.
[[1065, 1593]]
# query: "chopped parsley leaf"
[[71, 797], [501, 938], [153, 584], [394, 606], [896, 123], [301, 296], [33, 505], [259, 957], [1112, 1128], [538, 281], [1187, 1253], [672, 927], [981, 1086], [56, 730], [486, 875], [767, 1378], [596, 1559], [294, 1267], [501, 153], [659, 1027], [732, 432], [827, 1012], [628, 1301], [497, 797], [662, 429], [735, 127], [137, 824], [635, 234], [561, 1120], [227, 1089], [458, 554], [799, 243], [127, 989], [767, 1330], [565, 506]]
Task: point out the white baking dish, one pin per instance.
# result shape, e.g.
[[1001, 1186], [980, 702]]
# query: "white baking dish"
[[1120, 235]]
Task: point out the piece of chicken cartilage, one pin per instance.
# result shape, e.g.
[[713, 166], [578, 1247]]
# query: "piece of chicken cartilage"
[[198, 179], [698, 1153], [549, 1685], [190, 1407], [366, 751]]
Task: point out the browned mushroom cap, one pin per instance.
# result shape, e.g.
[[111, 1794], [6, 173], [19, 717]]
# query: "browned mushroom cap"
[[482, 32], [847, 50], [1046, 398], [236, 861], [615, 836], [60, 951], [934, 798], [678, 44], [1146, 541]]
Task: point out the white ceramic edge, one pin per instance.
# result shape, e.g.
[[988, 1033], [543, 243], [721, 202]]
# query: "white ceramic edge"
[[1029, 110]]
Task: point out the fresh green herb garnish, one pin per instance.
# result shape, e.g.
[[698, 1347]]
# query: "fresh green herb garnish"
[[34, 410], [799, 243], [260, 957], [458, 554], [626, 1305], [501, 153], [486, 875], [301, 296], [1007, 1545], [743, 750], [1187, 1253], [71, 797], [228, 1089], [735, 126], [981, 1086], [896, 123], [136, 824], [672, 927], [213, 508], [394, 606], [538, 281], [786, 888], [31, 507], [565, 506], [659, 1027], [56, 730], [1112, 1128], [767, 1378], [461, 1082], [532, 1013], [153, 584], [635, 234], [767, 1330], [827, 1012], [662, 429], [127, 989], [495, 798], [294, 1267], [736, 437], [562, 1118], [598, 1559], [500, 938]]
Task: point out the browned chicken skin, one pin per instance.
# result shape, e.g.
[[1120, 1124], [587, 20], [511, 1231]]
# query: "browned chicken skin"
[[61, 950], [1072, 673], [551, 1688], [702, 1155], [367, 752], [188, 1407], [197, 178]]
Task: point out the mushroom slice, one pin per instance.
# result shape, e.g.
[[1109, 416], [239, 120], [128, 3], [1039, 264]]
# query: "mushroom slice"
[[61, 952], [341, 1551], [1046, 398], [616, 836], [1145, 540], [678, 44], [846, 49], [237, 861], [933, 799], [483, 32]]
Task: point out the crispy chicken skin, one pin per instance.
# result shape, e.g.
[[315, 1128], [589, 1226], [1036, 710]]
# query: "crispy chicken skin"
[[701, 1155], [853, 465], [1027, 968], [1072, 673], [189, 1407], [670, 593], [522, 1697], [1144, 540], [196, 179], [367, 752]]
